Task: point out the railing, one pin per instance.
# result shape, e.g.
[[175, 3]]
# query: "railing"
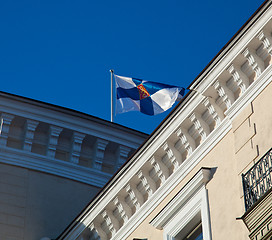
[[257, 181]]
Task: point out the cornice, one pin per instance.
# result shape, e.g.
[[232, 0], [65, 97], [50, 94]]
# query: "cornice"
[[53, 166], [204, 117], [233, 47], [70, 119], [104, 199]]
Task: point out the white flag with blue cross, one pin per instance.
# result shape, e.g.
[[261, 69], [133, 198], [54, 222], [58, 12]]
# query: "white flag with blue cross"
[[148, 97]]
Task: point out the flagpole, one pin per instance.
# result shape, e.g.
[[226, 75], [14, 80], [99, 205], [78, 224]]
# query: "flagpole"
[[111, 71]]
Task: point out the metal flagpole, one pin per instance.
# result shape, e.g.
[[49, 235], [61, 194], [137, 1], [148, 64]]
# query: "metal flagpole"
[[111, 71]]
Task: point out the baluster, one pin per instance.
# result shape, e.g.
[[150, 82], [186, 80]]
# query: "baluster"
[[147, 183], [95, 226], [253, 61], [172, 159], [123, 209], [185, 142], [200, 126], [239, 77], [215, 112], [159, 170], [111, 222], [95, 235], [225, 94], [136, 199], [265, 51]]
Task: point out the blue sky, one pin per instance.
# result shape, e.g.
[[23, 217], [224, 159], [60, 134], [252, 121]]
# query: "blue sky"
[[61, 51]]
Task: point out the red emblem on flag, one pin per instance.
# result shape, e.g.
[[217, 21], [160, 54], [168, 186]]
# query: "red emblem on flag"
[[142, 92]]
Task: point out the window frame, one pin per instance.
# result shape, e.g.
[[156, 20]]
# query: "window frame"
[[190, 202]]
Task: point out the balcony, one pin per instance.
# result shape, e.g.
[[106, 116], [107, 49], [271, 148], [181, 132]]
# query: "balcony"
[[258, 196], [257, 181]]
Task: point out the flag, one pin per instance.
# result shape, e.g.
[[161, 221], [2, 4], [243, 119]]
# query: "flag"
[[150, 98]]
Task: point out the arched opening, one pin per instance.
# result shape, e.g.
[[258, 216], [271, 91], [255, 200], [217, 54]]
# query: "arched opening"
[[63, 149], [87, 151], [16, 133], [41, 138], [109, 161]]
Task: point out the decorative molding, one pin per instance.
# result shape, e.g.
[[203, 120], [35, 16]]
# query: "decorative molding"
[[123, 152], [265, 50], [6, 120], [188, 122], [100, 148], [70, 119], [53, 140], [52, 166], [76, 146], [252, 92], [30, 129], [259, 219], [225, 94], [189, 202], [200, 179], [239, 78], [200, 126], [199, 153]]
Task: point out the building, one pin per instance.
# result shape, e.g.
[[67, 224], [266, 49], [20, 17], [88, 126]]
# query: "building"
[[205, 172], [53, 160]]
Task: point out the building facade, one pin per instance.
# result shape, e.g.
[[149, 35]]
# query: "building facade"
[[53, 161], [205, 173]]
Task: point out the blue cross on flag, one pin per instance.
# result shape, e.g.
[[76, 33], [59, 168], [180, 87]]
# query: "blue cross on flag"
[[150, 98]]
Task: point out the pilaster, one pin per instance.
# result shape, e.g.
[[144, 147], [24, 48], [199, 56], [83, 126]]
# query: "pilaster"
[[31, 126], [76, 147], [6, 120], [123, 152], [100, 148], [53, 140]]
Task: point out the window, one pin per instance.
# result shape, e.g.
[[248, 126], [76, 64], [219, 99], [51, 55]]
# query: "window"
[[186, 216], [195, 233]]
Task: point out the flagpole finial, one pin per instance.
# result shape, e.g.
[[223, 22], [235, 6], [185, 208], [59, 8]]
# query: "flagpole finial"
[[111, 70]]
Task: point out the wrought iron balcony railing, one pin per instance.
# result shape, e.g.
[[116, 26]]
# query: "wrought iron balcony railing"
[[257, 181]]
